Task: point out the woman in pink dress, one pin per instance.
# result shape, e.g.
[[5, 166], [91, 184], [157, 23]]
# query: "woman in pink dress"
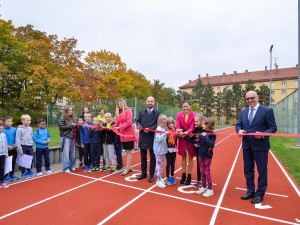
[[185, 124], [127, 133]]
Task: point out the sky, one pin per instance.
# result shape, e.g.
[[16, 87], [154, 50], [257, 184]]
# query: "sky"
[[171, 40]]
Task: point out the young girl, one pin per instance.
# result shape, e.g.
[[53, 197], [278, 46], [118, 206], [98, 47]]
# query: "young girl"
[[3, 156], [172, 149], [160, 148], [207, 143]]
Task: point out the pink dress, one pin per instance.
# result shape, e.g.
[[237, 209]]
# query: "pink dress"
[[124, 121], [188, 126]]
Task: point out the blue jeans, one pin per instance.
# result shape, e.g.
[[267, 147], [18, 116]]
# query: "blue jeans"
[[68, 154], [39, 159], [28, 150]]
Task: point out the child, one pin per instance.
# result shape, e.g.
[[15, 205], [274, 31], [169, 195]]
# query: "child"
[[78, 145], [95, 140], [172, 149], [41, 138], [160, 148], [10, 133], [3, 156], [85, 142], [207, 143], [24, 142], [108, 138], [199, 119]]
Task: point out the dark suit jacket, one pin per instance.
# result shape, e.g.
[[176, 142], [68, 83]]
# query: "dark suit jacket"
[[263, 121], [147, 120]]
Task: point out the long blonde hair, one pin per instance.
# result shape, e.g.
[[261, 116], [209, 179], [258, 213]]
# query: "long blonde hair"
[[117, 107], [66, 115]]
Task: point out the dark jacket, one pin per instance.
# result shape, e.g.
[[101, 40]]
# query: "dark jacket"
[[84, 133], [196, 138], [204, 144], [95, 136], [147, 120], [66, 127], [78, 135], [108, 136]]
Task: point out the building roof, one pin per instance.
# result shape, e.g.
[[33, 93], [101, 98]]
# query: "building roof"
[[241, 78]]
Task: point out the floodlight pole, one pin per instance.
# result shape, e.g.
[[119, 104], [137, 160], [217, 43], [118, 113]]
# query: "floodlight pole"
[[270, 104]]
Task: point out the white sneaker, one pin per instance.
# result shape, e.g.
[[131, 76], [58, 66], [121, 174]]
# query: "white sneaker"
[[208, 193], [201, 191], [160, 184], [39, 173], [73, 169], [67, 171], [49, 171]]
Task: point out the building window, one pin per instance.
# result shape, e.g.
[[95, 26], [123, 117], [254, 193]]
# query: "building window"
[[283, 92], [60, 100], [260, 84], [272, 84], [272, 92], [228, 87], [283, 83], [218, 89], [296, 82]]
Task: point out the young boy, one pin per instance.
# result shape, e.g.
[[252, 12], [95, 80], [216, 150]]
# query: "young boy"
[[78, 145], [95, 140], [3, 156], [85, 142], [10, 133], [24, 142], [41, 138]]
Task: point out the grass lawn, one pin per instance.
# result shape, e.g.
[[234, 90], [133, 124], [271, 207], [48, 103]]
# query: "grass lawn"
[[289, 157]]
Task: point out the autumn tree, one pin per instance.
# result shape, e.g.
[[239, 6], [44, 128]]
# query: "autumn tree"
[[141, 87]]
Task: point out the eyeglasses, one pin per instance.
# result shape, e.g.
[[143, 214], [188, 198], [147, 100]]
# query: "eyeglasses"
[[250, 98]]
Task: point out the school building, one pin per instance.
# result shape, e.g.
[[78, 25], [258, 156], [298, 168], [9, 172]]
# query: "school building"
[[284, 81]]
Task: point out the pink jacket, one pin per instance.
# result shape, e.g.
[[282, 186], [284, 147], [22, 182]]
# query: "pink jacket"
[[124, 121], [188, 126]]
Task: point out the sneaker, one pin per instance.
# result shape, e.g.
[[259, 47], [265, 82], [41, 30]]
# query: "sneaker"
[[113, 169], [39, 173], [14, 177], [201, 191], [49, 172], [105, 168], [73, 169], [160, 184], [173, 182], [90, 167], [67, 171], [97, 170], [168, 180], [86, 169], [4, 185], [208, 193], [119, 167], [25, 176], [32, 174], [8, 179], [80, 165], [196, 185], [94, 170]]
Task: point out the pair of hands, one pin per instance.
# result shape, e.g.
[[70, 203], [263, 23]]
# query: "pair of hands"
[[11, 147], [242, 132], [140, 128], [21, 152]]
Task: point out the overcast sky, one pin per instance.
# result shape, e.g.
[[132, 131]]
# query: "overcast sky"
[[171, 40]]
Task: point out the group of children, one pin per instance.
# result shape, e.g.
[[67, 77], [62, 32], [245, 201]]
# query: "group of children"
[[17, 142], [203, 139]]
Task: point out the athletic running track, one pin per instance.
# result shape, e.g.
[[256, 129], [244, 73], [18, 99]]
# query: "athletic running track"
[[104, 198]]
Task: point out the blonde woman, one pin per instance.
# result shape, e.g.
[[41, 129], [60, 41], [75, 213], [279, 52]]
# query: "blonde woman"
[[124, 124]]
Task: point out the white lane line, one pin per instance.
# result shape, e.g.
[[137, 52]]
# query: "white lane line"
[[47, 199], [214, 216], [285, 173], [267, 193]]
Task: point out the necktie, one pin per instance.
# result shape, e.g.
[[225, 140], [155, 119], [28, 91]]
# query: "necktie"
[[251, 116], [149, 111]]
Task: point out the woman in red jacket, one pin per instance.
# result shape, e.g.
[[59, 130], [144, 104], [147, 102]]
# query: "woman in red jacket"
[[185, 124], [127, 133]]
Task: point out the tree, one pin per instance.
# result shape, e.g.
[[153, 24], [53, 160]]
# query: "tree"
[[198, 92], [157, 91], [264, 95], [237, 99], [141, 86], [182, 96], [226, 104], [218, 106], [208, 100], [170, 94]]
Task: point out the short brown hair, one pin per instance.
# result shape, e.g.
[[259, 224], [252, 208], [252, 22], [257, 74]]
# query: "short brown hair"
[[210, 123], [1, 123], [4, 118]]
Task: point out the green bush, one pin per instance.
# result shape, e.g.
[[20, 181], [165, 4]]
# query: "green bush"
[[16, 115]]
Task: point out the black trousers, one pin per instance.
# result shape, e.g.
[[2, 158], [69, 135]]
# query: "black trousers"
[[14, 154], [87, 154], [2, 164], [144, 161], [198, 169], [171, 158]]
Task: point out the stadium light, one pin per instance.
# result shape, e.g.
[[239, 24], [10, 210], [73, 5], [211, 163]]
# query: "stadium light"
[[271, 75]]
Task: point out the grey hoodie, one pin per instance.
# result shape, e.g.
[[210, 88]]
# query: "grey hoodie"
[[24, 136]]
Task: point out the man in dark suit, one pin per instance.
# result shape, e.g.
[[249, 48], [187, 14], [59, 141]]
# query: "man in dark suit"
[[147, 119], [255, 119]]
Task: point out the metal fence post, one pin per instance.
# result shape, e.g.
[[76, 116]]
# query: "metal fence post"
[[135, 107]]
